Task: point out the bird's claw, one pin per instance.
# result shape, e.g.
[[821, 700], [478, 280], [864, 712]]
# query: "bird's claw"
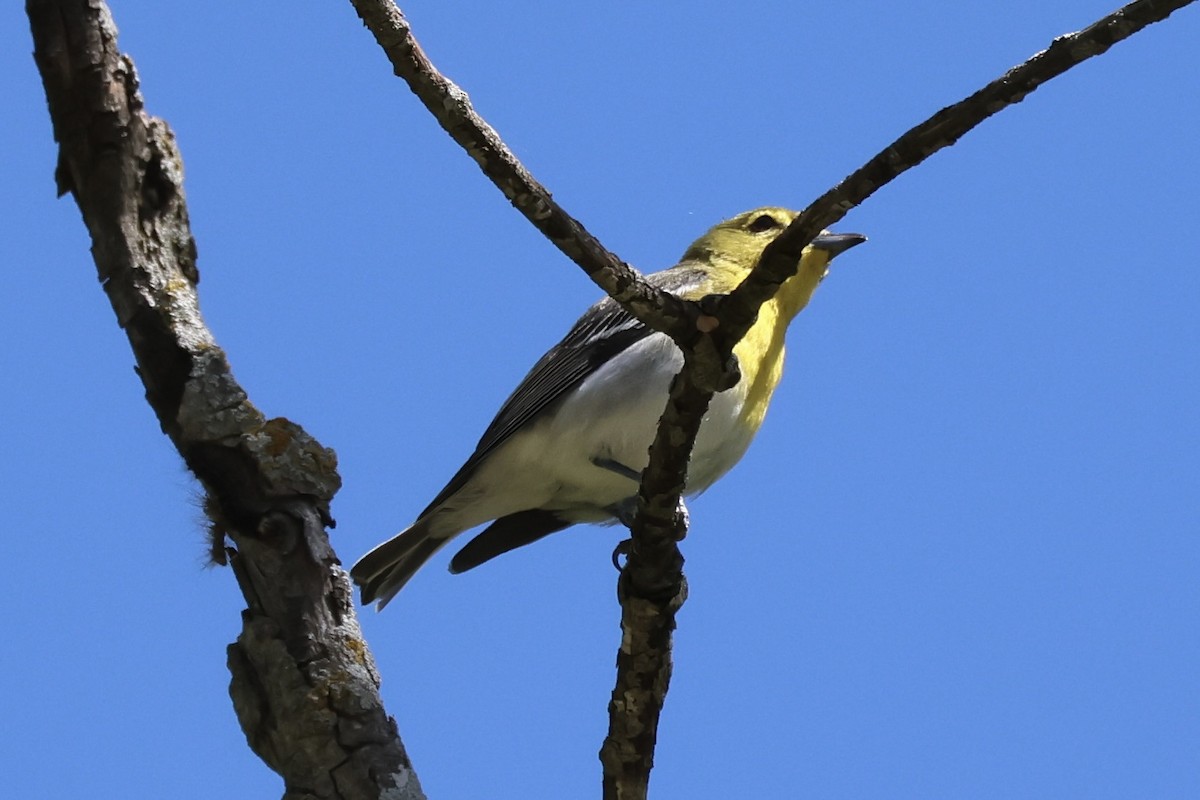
[[621, 550], [626, 512]]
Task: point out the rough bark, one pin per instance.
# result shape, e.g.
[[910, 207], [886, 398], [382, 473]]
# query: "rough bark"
[[303, 685]]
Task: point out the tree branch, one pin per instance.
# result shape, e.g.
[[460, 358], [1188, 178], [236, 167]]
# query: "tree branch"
[[451, 107], [303, 683], [654, 566], [943, 129], [652, 586]]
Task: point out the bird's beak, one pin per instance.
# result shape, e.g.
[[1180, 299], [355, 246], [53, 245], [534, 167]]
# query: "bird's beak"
[[835, 243]]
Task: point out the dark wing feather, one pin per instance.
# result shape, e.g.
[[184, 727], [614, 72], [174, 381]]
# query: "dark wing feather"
[[602, 332], [507, 533]]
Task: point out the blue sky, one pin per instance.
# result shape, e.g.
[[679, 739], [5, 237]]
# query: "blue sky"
[[960, 561]]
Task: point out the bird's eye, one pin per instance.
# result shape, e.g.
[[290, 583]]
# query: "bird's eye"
[[763, 223]]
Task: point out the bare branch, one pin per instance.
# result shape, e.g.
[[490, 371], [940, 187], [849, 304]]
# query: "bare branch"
[[303, 682], [451, 107], [643, 677], [652, 585], [654, 566], [941, 130], [737, 311]]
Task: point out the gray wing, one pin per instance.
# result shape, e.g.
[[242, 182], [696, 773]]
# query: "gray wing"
[[602, 332]]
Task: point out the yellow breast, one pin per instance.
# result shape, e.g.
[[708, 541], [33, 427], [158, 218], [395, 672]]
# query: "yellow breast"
[[760, 358], [760, 352]]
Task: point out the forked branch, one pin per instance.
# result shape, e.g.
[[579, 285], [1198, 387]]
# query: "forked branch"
[[652, 586]]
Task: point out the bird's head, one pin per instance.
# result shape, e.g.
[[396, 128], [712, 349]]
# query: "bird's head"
[[737, 243]]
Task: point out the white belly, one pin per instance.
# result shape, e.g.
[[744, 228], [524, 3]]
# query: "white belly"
[[613, 416]]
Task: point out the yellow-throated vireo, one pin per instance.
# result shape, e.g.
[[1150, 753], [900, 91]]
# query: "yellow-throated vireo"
[[570, 443]]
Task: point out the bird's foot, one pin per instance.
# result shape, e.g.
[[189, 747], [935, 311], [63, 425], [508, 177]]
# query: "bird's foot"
[[626, 511], [621, 551]]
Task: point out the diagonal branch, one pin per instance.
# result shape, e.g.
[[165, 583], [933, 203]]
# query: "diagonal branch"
[[303, 682], [451, 107], [652, 586], [739, 309], [941, 130]]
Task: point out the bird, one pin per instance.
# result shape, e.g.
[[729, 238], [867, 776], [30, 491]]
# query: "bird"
[[569, 444]]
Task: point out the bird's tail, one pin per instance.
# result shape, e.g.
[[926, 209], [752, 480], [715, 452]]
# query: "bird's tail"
[[383, 572]]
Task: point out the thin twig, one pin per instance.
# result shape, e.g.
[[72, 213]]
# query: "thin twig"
[[451, 107], [304, 685], [941, 130]]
